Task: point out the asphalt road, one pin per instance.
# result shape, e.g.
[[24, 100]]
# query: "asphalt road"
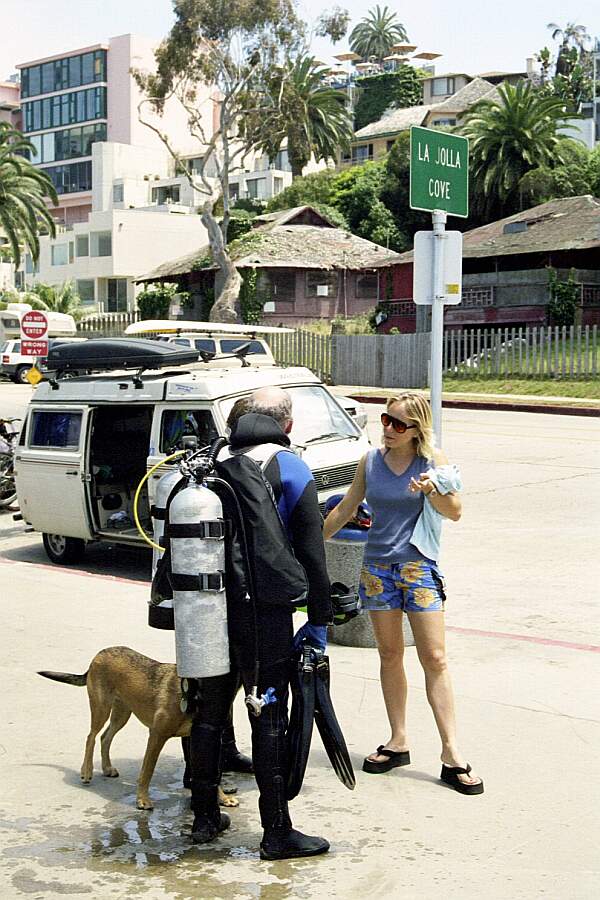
[[523, 615]]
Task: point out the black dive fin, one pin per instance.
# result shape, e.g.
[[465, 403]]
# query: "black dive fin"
[[329, 728], [302, 716]]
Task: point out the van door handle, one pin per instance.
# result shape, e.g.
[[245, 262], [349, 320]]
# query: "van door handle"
[[74, 472]]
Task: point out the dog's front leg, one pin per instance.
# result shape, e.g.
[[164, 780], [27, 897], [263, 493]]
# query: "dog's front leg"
[[156, 741]]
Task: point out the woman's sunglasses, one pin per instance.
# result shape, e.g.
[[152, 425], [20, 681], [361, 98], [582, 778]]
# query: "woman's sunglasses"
[[397, 424]]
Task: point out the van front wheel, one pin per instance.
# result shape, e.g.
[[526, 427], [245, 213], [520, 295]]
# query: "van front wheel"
[[63, 550]]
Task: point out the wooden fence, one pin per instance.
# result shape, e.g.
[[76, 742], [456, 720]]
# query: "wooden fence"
[[108, 325], [303, 348], [544, 352]]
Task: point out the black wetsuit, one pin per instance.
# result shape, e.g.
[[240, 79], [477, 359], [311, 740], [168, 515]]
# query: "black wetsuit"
[[262, 628]]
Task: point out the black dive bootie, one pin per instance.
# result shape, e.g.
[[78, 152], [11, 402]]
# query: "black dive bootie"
[[205, 765], [232, 759], [280, 840]]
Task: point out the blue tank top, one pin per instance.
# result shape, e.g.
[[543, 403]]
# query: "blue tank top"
[[395, 510]]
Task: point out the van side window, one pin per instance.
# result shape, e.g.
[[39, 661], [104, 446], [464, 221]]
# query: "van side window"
[[230, 345], [59, 429], [178, 423], [205, 344]]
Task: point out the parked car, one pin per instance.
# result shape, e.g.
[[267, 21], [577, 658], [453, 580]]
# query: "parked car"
[[16, 365]]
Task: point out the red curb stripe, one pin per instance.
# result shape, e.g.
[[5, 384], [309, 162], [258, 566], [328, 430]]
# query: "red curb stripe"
[[53, 568], [592, 648], [510, 406]]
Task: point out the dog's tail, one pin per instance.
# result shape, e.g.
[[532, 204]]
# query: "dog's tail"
[[66, 678]]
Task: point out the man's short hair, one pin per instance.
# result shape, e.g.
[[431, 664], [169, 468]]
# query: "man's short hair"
[[274, 402], [241, 406]]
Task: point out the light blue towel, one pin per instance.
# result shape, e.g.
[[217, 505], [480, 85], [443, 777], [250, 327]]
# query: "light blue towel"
[[428, 530]]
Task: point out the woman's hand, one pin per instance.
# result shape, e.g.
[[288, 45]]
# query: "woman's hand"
[[424, 484]]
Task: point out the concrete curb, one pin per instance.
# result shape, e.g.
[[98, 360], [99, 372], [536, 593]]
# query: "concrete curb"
[[509, 406]]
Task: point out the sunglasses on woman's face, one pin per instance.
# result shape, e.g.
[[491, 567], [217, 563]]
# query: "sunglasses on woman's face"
[[397, 424]]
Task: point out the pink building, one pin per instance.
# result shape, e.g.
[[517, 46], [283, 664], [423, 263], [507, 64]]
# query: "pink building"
[[9, 103]]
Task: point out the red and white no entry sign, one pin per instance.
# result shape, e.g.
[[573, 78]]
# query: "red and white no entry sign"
[[34, 333]]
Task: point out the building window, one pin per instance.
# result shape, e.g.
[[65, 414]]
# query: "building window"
[[362, 153], [277, 185], [31, 268], [367, 285], [71, 251], [282, 161], [118, 193], [71, 178], [62, 74], [321, 284], [65, 109], [59, 254], [281, 285], [256, 188], [444, 122], [85, 289], [117, 295], [234, 192], [82, 245], [168, 193], [100, 243], [441, 87]]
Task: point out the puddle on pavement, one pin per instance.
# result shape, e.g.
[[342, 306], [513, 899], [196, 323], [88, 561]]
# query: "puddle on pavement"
[[93, 855]]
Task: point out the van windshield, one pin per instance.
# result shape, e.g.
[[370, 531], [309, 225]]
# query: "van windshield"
[[316, 415]]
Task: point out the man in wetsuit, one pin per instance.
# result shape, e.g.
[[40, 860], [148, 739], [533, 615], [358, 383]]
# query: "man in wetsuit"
[[261, 628]]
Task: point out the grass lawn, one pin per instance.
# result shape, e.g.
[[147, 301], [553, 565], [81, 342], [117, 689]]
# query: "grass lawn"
[[551, 387]]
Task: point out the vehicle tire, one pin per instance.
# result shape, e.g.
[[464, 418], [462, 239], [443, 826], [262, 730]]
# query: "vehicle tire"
[[8, 493], [63, 550], [20, 375]]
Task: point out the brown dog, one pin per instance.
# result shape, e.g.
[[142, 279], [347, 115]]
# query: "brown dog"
[[120, 682]]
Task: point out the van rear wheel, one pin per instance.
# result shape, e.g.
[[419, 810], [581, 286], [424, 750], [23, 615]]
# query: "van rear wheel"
[[63, 550]]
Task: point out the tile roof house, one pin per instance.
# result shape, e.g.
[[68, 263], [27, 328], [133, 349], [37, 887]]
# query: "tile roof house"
[[505, 267], [307, 268]]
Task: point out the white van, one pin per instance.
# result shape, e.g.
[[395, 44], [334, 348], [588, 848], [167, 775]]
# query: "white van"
[[88, 440]]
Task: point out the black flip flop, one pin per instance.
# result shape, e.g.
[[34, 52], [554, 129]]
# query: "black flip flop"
[[450, 776], [394, 758]]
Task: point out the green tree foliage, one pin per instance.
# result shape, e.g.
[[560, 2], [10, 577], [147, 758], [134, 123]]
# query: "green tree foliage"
[[23, 192], [395, 192], [508, 138], [571, 37], [155, 299], [564, 298], [376, 34], [357, 195], [388, 90], [233, 48], [594, 171], [55, 298], [251, 300], [333, 23], [313, 118], [572, 177], [315, 189]]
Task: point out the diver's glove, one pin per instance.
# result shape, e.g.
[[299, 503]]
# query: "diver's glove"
[[315, 635]]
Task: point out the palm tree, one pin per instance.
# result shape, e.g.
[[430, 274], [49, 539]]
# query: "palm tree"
[[507, 138], [377, 33], [54, 298], [313, 118], [23, 189], [572, 36]]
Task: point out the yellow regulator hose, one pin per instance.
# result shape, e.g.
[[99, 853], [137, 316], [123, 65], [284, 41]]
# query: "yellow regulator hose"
[[137, 496]]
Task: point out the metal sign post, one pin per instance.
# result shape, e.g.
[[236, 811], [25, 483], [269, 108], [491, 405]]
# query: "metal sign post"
[[439, 183]]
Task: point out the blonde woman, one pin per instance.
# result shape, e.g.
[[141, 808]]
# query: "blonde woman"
[[410, 488]]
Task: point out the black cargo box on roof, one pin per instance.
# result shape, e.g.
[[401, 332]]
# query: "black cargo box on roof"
[[104, 354]]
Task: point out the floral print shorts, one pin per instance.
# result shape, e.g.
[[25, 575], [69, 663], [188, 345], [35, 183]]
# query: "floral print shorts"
[[413, 586]]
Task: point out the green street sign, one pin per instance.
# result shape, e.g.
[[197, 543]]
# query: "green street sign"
[[439, 171]]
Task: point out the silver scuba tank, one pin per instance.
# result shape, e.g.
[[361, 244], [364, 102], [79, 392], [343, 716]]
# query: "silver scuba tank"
[[159, 510], [197, 540]]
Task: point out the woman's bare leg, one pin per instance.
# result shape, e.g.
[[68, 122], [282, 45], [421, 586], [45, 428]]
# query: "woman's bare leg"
[[387, 627]]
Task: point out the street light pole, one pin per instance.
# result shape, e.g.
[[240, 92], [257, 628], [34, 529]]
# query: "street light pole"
[[438, 218]]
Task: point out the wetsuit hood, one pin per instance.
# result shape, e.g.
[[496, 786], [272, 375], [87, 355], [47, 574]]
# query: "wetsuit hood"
[[256, 428]]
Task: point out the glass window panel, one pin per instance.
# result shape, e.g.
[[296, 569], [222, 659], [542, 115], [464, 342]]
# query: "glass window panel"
[[117, 295], [179, 423], [25, 83], [36, 140], [100, 243], [101, 132], [72, 107], [37, 115], [35, 81], [48, 147], [74, 71], [64, 109], [74, 139], [321, 284], [81, 106], [47, 77], [59, 254], [83, 245], [230, 345], [88, 136], [47, 113], [87, 68], [71, 251], [56, 104], [56, 429], [117, 193], [100, 65], [27, 116], [85, 289]]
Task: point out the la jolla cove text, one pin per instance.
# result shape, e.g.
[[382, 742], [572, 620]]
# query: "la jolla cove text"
[[446, 157]]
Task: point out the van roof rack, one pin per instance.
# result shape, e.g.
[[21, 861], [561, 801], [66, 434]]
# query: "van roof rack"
[[104, 354]]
